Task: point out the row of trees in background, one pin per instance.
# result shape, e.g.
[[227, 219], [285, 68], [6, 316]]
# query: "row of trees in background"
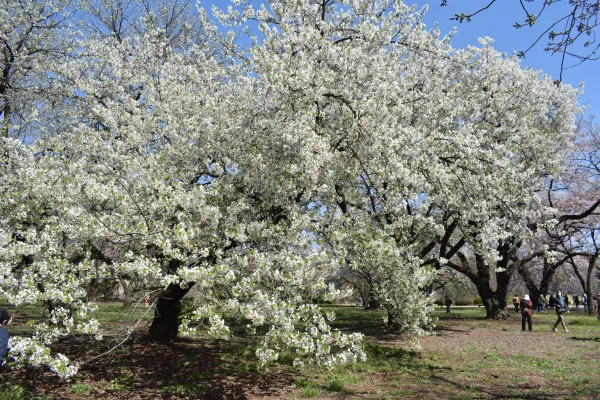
[[567, 243], [340, 142]]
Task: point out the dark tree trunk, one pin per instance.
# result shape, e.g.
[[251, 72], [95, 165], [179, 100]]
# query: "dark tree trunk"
[[372, 304], [501, 293], [391, 322], [487, 298], [494, 301], [586, 280], [363, 283], [495, 304], [165, 325], [535, 295], [482, 282], [547, 276]]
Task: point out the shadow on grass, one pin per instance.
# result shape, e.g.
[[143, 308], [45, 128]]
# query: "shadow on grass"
[[510, 392], [454, 316], [443, 330], [389, 353], [586, 339], [140, 369]]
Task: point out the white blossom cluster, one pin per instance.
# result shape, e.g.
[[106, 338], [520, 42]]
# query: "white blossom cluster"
[[344, 136], [29, 351]]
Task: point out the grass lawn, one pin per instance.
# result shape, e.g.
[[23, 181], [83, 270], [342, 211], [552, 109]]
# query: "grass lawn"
[[468, 357]]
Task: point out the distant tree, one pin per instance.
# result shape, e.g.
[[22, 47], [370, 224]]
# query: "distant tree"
[[452, 283], [572, 198], [572, 35], [33, 35], [579, 201]]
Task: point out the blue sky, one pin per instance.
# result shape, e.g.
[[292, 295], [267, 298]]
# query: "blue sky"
[[497, 23]]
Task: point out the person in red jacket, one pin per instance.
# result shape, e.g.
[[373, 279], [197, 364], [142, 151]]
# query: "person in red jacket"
[[526, 311]]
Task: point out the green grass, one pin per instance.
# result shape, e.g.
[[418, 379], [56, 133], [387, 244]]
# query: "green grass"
[[585, 320], [398, 392], [461, 313], [307, 387], [335, 383], [561, 363], [114, 313], [354, 317], [81, 389], [14, 392], [182, 389], [475, 369], [110, 315], [123, 383]]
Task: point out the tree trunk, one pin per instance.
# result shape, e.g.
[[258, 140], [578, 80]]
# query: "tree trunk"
[[165, 325], [535, 295], [494, 301], [482, 282], [127, 291], [586, 281], [371, 304], [588, 287], [487, 298], [501, 293], [5, 120], [362, 282], [391, 321], [495, 306]]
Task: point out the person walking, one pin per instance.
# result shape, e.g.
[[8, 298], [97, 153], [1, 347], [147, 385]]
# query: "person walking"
[[515, 301], [560, 307], [526, 312], [448, 304], [585, 302], [566, 298]]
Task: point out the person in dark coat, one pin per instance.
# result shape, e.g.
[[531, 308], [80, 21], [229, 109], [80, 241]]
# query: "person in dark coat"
[[448, 304], [4, 322], [560, 307], [526, 312]]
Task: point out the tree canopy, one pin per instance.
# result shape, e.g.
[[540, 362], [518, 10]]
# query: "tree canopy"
[[345, 136]]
